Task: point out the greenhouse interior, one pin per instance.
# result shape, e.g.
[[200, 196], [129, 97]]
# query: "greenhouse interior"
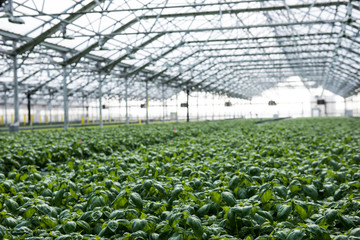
[[182, 119], [100, 61]]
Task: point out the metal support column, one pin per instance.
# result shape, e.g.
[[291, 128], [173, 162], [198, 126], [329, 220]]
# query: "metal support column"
[[119, 108], [15, 126], [163, 103], [50, 109], [29, 108], [187, 105], [100, 103], [345, 106], [147, 102], [65, 96], [87, 106], [126, 103], [5, 105], [83, 107], [177, 108]]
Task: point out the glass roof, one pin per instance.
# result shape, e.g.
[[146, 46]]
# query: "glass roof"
[[234, 48]]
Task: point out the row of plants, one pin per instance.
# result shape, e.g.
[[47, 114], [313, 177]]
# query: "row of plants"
[[294, 179]]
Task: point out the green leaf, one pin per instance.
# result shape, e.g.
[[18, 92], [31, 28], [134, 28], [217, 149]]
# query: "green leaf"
[[341, 237], [203, 210], [266, 196], [176, 191], [281, 190], [283, 212], [29, 212], [340, 193], [22, 231], [50, 222], [330, 216], [96, 201], [138, 224], [137, 200], [69, 227], [9, 222], [195, 223], [64, 237], [329, 190], [23, 177], [161, 189], [148, 184], [266, 215], [355, 232], [228, 198], [242, 211], [117, 214], [2, 232], [301, 211], [58, 197], [346, 222], [216, 197], [11, 204], [96, 215], [113, 225], [44, 209], [234, 181], [318, 232], [296, 234], [84, 225], [120, 201], [311, 191]]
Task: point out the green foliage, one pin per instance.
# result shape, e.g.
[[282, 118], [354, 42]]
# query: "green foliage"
[[296, 179]]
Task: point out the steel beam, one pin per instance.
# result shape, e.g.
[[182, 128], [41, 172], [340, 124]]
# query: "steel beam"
[[273, 25], [15, 127], [135, 71], [35, 41], [163, 102], [113, 63], [87, 50], [326, 34], [247, 10], [100, 103], [29, 108], [265, 47], [126, 103], [147, 101], [269, 53], [65, 97], [187, 105]]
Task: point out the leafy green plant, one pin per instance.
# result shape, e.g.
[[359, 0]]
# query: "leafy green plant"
[[295, 179]]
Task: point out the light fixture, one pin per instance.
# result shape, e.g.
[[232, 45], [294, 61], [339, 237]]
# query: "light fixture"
[[8, 9], [63, 32], [131, 56], [102, 42], [129, 53], [272, 103], [16, 20]]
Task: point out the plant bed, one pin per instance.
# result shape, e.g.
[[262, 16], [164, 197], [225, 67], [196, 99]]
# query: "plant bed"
[[295, 179]]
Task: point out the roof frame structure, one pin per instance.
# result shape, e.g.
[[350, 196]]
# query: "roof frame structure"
[[183, 45]]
